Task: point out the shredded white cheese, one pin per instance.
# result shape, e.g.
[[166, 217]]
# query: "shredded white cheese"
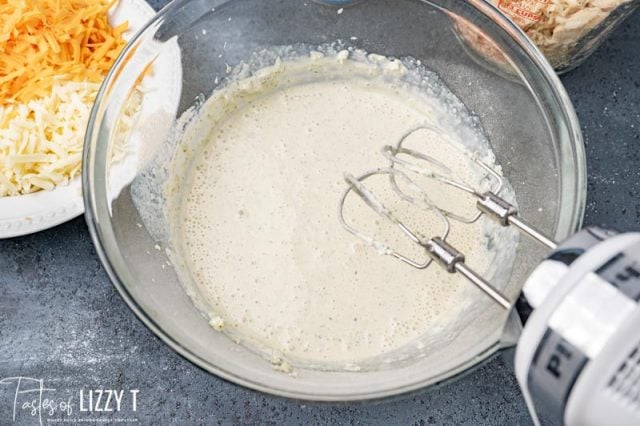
[[41, 141], [217, 323]]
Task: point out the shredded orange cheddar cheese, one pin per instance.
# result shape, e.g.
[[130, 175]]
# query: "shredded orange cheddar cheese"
[[42, 41]]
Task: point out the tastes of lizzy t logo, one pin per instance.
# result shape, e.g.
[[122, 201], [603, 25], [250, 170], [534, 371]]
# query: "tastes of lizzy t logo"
[[26, 397]]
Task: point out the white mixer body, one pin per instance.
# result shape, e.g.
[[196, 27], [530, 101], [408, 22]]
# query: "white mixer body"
[[578, 359]]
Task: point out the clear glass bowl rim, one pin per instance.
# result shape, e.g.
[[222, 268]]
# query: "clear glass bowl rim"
[[99, 224]]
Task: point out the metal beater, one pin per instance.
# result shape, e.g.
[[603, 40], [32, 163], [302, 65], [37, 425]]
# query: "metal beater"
[[403, 163], [578, 355]]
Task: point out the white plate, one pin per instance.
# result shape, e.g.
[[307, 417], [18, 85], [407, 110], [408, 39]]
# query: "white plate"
[[25, 214]]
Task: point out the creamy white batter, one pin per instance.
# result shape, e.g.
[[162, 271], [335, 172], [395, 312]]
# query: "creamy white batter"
[[255, 227]]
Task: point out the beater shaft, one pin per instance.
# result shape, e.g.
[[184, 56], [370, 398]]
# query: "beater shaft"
[[532, 232], [453, 261], [504, 213]]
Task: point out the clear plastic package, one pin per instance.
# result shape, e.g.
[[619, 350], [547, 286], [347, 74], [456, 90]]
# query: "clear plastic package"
[[566, 31]]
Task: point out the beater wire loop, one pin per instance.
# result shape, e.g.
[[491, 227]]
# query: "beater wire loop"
[[356, 185]]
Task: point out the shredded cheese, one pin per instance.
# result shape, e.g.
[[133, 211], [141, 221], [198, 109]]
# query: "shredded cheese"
[[42, 40], [41, 146], [53, 55]]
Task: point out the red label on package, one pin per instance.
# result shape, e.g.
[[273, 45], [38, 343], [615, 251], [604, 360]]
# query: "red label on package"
[[523, 11]]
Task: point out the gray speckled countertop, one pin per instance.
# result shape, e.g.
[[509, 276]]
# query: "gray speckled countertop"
[[61, 319]]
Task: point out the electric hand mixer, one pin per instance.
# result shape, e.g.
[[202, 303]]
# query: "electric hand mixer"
[[578, 357]]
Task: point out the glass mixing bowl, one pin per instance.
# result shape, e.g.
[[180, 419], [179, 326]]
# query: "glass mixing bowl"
[[183, 55]]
